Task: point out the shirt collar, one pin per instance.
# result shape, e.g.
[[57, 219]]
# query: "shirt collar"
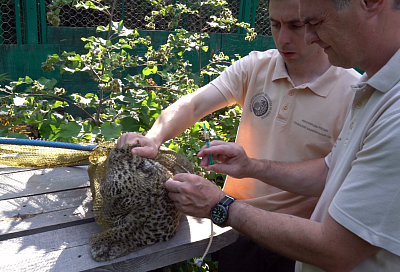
[[321, 86], [280, 71], [387, 76]]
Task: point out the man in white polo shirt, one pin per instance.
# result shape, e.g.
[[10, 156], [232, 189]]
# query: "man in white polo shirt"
[[355, 225], [294, 104]]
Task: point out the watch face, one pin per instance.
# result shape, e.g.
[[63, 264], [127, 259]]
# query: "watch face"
[[219, 214]]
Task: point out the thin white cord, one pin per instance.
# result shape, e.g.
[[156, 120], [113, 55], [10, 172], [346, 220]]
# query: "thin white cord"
[[198, 261]]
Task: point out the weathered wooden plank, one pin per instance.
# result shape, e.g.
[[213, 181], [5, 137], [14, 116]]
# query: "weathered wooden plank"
[[44, 226], [67, 249], [5, 169], [39, 181], [26, 214], [171, 255]]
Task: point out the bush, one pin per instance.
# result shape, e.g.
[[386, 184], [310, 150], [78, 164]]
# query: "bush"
[[124, 101]]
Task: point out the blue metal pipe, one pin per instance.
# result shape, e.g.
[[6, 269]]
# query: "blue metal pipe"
[[46, 143]]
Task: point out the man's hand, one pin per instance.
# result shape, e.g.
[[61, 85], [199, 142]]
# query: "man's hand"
[[147, 149], [193, 195], [231, 157]]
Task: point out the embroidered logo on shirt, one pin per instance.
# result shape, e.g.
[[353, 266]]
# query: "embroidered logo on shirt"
[[261, 105]]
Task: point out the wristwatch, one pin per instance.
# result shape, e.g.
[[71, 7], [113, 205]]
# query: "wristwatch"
[[219, 213]]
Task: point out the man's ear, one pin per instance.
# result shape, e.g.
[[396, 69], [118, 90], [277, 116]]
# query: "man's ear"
[[373, 7]]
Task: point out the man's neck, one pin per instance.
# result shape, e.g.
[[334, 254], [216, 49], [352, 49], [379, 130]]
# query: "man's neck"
[[308, 71]]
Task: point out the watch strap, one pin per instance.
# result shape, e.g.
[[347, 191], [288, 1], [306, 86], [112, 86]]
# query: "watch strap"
[[226, 201]]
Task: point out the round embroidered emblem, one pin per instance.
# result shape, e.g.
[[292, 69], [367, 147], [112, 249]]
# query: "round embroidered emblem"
[[261, 105]]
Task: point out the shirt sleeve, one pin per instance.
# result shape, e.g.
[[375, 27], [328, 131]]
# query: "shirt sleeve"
[[233, 82], [368, 201]]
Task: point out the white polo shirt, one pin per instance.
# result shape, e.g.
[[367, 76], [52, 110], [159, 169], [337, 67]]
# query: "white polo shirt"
[[282, 122]]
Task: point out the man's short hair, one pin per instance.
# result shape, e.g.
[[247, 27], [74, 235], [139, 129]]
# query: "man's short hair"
[[339, 4]]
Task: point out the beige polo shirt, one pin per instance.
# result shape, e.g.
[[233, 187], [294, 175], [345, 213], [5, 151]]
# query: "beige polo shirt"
[[282, 122]]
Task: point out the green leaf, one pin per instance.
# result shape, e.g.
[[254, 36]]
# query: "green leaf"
[[24, 80], [53, 58], [144, 116], [102, 28], [48, 83], [174, 147], [87, 127], [195, 130], [228, 122], [110, 130], [150, 70], [120, 26], [58, 104], [17, 135], [45, 130], [125, 45], [75, 58], [72, 129], [105, 78], [96, 130], [129, 124]]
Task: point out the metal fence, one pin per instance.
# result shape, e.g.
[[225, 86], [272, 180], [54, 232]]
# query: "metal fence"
[[8, 29], [24, 21]]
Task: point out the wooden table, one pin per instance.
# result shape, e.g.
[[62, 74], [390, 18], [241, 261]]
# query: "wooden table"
[[46, 220]]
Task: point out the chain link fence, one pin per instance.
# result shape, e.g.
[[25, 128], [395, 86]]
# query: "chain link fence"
[[133, 12], [262, 24], [8, 30]]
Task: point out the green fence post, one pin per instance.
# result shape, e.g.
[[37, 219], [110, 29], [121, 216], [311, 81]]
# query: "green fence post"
[[31, 25], [43, 21], [18, 28], [244, 14], [253, 13], [185, 18], [1, 30], [122, 10]]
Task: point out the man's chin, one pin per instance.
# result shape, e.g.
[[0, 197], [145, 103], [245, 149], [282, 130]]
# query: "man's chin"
[[336, 61]]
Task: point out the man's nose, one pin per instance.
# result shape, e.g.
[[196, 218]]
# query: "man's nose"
[[310, 35], [284, 36]]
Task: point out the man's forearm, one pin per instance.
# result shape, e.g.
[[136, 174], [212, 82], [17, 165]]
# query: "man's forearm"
[[172, 121], [327, 245], [303, 210], [185, 112], [304, 178]]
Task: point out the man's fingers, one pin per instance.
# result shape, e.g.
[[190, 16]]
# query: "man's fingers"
[[128, 138], [144, 151], [173, 196], [172, 185]]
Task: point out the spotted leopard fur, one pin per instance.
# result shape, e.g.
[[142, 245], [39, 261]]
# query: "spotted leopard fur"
[[130, 201]]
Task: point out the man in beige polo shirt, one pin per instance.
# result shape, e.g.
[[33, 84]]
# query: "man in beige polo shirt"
[[294, 104]]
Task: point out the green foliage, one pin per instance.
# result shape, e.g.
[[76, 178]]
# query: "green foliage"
[[124, 100], [188, 266], [4, 77]]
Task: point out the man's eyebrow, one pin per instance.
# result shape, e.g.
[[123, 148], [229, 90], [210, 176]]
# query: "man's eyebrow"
[[307, 19], [292, 21]]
